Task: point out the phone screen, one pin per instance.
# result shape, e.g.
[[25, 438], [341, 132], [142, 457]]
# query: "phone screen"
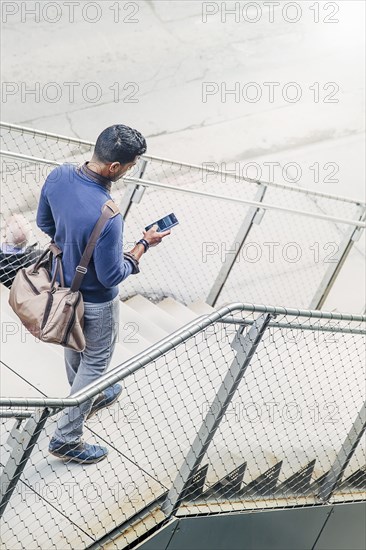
[[165, 223]]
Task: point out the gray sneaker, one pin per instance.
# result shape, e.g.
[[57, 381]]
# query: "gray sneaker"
[[77, 452], [106, 399]]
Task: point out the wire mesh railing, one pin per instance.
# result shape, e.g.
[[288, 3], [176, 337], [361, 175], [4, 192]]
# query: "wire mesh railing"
[[41, 144], [248, 408], [230, 249], [233, 249]]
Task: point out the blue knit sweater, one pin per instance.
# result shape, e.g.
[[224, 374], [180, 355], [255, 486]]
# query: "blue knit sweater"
[[69, 207]]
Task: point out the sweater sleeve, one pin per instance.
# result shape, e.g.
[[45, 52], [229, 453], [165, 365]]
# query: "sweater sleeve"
[[45, 220], [110, 265]]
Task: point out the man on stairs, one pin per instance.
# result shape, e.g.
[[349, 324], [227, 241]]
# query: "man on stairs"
[[70, 204]]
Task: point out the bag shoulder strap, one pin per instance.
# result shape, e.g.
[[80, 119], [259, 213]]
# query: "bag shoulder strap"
[[109, 210], [56, 251]]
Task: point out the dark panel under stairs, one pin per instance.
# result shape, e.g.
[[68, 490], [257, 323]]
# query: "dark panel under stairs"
[[266, 484], [357, 480], [263, 485], [298, 483], [228, 486], [195, 488]]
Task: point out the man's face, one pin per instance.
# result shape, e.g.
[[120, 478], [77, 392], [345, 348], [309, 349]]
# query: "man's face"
[[117, 170]]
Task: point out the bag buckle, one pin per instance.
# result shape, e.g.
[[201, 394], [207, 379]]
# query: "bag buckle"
[[81, 269]]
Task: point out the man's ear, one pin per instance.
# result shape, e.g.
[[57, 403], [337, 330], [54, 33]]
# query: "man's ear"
[[114, 166]]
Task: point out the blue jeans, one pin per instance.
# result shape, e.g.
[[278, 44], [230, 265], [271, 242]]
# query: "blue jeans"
[[101, 332]]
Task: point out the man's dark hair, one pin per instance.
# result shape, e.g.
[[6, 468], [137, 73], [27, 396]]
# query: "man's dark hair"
[[119, 143]]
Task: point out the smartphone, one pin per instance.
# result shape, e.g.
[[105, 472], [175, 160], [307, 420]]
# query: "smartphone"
[[165, 223]]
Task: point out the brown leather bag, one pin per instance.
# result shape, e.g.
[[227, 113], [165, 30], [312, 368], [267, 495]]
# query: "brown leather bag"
[[49, 310]]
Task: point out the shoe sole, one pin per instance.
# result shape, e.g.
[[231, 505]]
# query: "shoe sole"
[[75, 459], [91, 414]]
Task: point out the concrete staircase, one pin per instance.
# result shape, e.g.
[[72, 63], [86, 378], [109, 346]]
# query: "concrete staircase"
[[30, 368], [240, 469], [142, 323]]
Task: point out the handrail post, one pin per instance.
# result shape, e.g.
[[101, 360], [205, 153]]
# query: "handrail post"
[[254, 215], [22, 443], [323, 290], [245, 346], [344, 455], [134, 192]]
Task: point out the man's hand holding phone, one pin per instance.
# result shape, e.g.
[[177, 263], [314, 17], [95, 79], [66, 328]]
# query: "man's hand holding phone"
[[156, 231], [153, 236]]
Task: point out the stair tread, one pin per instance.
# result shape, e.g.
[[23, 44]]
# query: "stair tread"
[[201, 308], [148, 330], [44, 364], [157, 315], [177, 309]]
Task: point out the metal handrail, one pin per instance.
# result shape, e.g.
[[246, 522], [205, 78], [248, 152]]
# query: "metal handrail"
[[294, 326], [261, 205], [312, 192], [29, 158], [32, 131], [149, 183], [168, 343]]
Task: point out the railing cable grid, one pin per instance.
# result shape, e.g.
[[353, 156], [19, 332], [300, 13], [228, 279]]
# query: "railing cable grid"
[[248, 408], [230, 248]]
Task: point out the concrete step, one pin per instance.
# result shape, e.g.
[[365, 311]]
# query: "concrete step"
[[201, 308], [177, 310], [120, 355], [130, 341], [4, 301], [154, 314], [40, 364], [13, 385], [131, 319]]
